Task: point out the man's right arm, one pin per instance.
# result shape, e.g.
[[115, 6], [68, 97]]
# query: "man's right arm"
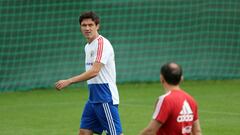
[[82, 77], [196, 130]]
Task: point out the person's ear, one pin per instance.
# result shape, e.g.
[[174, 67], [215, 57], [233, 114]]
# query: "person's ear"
[[162, 79], [98, 26]]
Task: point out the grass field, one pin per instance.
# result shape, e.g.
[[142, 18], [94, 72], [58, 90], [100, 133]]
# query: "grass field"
[[49, 112]]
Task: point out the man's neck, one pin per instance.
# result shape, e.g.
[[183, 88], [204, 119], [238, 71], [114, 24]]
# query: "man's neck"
[[90, 40], [171, 87]]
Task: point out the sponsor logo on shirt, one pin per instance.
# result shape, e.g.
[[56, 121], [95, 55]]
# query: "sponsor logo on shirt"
[[186, 113], [89, 64]]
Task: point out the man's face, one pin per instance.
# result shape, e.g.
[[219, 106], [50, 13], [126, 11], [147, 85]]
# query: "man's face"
[[89, 29]]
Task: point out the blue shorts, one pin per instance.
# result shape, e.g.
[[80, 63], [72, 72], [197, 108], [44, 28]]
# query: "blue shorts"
[[99, 117]]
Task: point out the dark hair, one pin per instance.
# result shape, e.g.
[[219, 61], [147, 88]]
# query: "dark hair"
[[89, 15], [172, 73]]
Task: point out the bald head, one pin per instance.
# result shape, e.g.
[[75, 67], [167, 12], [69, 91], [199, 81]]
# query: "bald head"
[[172, 73]]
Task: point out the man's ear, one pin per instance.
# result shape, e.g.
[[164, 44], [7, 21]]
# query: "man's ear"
[[98, 26], [162, 79]]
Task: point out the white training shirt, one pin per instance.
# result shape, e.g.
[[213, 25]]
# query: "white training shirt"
[[103, 87]]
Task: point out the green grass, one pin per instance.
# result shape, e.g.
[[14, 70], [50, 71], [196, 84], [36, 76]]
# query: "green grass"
[[49, 112]]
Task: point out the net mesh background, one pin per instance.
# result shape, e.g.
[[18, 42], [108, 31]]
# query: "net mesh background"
[[40, 41]]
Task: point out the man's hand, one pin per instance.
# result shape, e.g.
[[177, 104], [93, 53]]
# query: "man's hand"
[[62, 83]]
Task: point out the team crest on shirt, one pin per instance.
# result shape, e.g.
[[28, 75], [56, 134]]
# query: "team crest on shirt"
[[91, 53]]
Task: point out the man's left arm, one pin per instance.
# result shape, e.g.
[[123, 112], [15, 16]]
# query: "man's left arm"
[[196, 130], [152, 128]]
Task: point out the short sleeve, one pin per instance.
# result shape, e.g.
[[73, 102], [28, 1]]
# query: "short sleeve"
[[103, 50], [162, 109]]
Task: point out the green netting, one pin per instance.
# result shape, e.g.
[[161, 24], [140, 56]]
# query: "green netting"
[[40, 41]]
